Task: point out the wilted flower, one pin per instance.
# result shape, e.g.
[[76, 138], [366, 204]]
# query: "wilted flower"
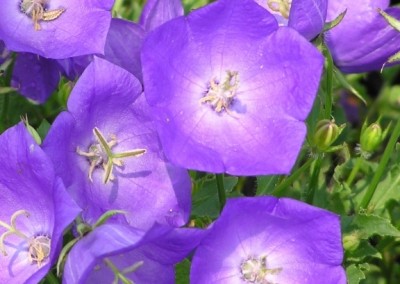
[[306, 16], [116, 253], [35, 209], [107, 152], [229, 89], [363, 41], [269, 240], [55, 28]]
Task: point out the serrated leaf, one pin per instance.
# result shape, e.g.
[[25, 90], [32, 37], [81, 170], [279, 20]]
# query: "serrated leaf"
[[182, 272], [363, 251], [368, 225], [354, 274]]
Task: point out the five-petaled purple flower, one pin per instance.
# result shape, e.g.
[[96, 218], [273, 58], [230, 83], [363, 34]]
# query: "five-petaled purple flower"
[[229, 89], [35, 209], [55, 28], [106, 150], [268, 240]]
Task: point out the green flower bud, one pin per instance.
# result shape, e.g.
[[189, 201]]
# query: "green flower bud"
[[351, 242], [371, 137], [326, 133]]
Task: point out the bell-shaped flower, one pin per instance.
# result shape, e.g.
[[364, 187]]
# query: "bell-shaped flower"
[[35, 209], [115, 253], [107, 152], [363, 41], [269, 240], [229, 89], [55, 28], [306, 16]]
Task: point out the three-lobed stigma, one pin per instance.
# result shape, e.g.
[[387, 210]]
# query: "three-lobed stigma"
[[255, 270], [100, 154]]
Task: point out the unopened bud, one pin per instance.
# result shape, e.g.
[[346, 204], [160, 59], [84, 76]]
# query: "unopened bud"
[[371, 138], [326, 133]]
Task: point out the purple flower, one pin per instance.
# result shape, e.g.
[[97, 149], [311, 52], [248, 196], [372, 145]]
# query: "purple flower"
[[55, 28], [4, 53], [35, 209], [270, 240], [141, 257], [35, 77], [107, 152], [363, 41], [305, 16], [157, 12], [229, 89]]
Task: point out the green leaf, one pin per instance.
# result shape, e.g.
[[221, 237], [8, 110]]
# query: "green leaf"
[[368, 225], [182, 272], [363, 251], [345, 84], [266, 184], [43, 128], [387, 189], [355, 273], [205, 197]]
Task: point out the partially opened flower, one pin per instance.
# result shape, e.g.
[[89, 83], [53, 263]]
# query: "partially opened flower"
[[306, 16], [107, 152], [35, 209], [229, 89], [269, 240], [55, 28], [363, 41], [117, 253]]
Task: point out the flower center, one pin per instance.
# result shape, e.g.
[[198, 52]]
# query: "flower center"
[[255, 270], [100, 155], [281, 7], [221, 94], [36, 10], [39, 249], [39, 246]]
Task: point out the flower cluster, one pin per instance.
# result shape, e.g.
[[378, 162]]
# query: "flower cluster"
[[155, 106]]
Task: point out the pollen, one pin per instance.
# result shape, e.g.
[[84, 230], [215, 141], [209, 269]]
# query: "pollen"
[[220, 95], [255, 270], [281, 7], [37, 11], [39, 249]]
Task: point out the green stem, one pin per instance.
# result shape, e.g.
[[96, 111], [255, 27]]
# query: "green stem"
[[279, 190], [381, 167], [354, 171], [309, 198], [221, 190], [329, 80]]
